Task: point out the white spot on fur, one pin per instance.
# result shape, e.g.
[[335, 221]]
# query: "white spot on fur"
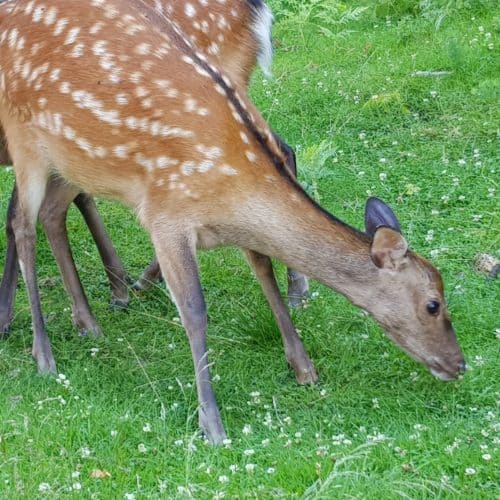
[[228, 170], [251, 156]]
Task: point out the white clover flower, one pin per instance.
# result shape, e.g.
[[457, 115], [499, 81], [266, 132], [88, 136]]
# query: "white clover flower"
[[247, 429], [227, 443], [265, 442], [85, 452], [114, 433], [250, 468], [129, 496], [146, 427], [486, 457], [223, 479], [179, 442], [142, 448], [470, 471], [271, 470], [249, 452], [234, 468], [43, 487], [76, 486], [382, 176]]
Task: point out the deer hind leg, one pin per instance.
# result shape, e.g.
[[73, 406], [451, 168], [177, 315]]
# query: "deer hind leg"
[[31, 192], [11, 272], [53, 217], [113, 266], [150, 275], [296, 355], [176, 255]]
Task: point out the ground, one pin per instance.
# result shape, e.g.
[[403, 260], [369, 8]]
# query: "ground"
[[359, 99]]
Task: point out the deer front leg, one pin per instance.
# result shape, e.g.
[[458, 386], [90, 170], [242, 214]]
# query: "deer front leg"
[[150, 275], [31, 191], [176, 255], [10, 272], [53, 217], [294, 349], [113, 266]]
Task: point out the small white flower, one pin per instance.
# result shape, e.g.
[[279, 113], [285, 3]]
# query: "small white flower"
[[147, 427], [470, 471], [77, 486], [75, 474], [142, 448], [382, 176], [234, 468], [271, 470], [250, 467], [178, 442], [227, 443], [129, 496], [85, 452], [249, 452], [43, 487], [486, 457], [265, 442], [223, 479], [247, 429], [114, 433]]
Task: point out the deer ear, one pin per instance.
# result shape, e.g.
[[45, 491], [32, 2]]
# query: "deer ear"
[[388, 249], [378, 214]]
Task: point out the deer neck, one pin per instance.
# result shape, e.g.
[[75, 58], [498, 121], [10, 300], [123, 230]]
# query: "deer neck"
[[296, 231]]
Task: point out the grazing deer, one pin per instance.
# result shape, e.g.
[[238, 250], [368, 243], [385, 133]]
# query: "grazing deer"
[[118, 102], [235, 48]]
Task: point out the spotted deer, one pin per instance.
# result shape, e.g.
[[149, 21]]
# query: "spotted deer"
[[117, 101], [236, 48]]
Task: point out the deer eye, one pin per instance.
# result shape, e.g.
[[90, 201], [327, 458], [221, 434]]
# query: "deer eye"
[[433, 307]]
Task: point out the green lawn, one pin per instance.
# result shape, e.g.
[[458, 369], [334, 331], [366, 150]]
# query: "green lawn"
[[347, 97]]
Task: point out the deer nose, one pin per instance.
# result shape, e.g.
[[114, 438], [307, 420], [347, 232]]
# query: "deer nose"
[[462, 367]]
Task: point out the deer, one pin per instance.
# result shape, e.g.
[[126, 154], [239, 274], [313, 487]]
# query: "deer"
[[191, 155], [237, 51]]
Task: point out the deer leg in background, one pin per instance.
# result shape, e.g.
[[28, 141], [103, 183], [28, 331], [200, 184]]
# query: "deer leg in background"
[[294, 349], [113, 266], [31, 192], [52, 215], [10, 271], [298, 284], [176, 254], [149, 277]]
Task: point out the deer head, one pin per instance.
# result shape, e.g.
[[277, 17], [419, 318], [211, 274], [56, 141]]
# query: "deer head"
[[412, 308]]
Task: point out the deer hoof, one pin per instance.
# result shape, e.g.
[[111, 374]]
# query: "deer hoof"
[[117, 304], [306, 376]]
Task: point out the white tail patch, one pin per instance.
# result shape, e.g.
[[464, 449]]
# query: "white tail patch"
[[262, 29]]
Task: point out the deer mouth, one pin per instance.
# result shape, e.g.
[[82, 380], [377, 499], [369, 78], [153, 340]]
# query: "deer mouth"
[[445, 374]]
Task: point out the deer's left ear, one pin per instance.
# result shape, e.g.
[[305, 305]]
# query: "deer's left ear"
[[389, 248], [378, 214]]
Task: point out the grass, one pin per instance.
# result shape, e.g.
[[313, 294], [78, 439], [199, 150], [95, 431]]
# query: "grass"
[[122, 423]]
